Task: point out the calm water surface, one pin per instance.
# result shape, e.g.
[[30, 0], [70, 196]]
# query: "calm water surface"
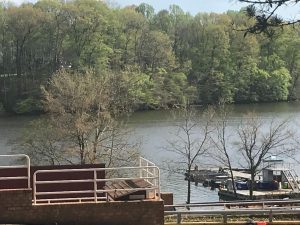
[[155, 128]]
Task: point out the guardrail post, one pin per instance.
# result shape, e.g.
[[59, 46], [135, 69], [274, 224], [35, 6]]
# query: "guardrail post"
[[179, 218], [106, 196], [34, 189], [158, 182], [147, 172], [270, 216], [28, 170], [27, 165], [225, 218], [95, 185], [141, 170]]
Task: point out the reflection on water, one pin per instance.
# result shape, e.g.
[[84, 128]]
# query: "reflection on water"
[[10, 128], [175, 183], [154, 128]]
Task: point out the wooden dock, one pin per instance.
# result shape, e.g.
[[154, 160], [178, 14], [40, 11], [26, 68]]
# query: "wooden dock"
[[210, 174], [258, 195]]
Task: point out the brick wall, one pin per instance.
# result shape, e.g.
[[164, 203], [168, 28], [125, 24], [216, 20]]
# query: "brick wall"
[[14, 204], [16, 207], [167, 197]]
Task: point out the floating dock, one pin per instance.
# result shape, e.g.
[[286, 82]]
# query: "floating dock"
[[204, 174], [258, 195], [201, 175]]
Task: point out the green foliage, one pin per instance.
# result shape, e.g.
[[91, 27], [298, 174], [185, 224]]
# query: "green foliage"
[[171, 56], [27, 105], [155, 52], [141, 89], [146, 10], [278, 85], [214, 89]]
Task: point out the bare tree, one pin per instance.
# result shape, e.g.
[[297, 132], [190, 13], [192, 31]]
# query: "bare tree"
[[256, 141], [191, 141], [83, 125], [42, 143], [221, 139]]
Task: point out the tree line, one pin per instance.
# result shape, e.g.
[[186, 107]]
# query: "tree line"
[[164, 59]]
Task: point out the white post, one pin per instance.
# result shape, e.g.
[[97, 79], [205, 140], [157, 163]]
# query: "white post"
[[28, 170], [34, 189], [158, 182], [141, 169], [147, 172], [95, 185], [154, 176]]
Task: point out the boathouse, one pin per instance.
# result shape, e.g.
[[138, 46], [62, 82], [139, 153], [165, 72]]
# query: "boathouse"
[[277, 180], [275, 170], [80, 195]]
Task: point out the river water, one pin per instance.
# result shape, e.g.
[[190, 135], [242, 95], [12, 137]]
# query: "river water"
[[155, 128]]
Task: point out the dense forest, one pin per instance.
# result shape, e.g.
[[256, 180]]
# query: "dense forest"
[[164, 59]]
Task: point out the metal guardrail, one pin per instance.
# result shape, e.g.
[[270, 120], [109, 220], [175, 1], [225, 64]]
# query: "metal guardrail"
[[227, 209], [148, 170], [27, 167], [149, 173]]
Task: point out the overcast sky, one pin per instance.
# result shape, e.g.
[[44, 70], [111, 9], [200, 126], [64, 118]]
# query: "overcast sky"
[[195, 6]]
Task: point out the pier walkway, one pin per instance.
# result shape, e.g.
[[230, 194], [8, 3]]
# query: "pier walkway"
[[79, 196]]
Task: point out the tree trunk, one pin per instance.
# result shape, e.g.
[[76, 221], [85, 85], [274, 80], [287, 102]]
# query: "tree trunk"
[[81, 149], [188, 201], [232, 180], [251, 185], [82, 161], [18, 67]]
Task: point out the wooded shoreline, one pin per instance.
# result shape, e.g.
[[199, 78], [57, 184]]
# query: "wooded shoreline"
[[164, 59]]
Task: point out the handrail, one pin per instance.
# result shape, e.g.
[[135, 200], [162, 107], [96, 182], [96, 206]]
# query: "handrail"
[[234, 203], [149, 173], [291, 180], [63, 200], [92, 191], [225, 213], [270, 207], [90, 180], [27, 166], [152, 176]]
